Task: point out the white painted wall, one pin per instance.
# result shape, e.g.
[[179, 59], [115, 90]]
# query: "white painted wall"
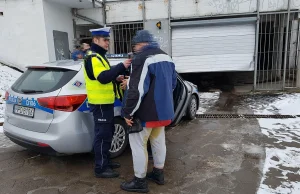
[[125, 11], [57, 17], [22, 33], [156, 9], [196, 8]]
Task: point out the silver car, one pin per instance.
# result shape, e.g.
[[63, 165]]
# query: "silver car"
[[47, 110]]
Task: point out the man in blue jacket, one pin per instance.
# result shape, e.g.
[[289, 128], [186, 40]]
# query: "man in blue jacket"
[[149, 97], [77, 53]]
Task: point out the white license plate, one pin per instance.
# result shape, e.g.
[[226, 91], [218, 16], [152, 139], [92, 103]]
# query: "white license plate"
[[25, 111]]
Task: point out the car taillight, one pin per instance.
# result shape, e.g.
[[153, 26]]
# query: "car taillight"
[[42, 144], [6, 96], [62, 103]]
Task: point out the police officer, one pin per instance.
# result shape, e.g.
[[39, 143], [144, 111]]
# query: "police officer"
[[101, 91]]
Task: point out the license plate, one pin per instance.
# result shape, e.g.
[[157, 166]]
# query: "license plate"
[[24, 111]]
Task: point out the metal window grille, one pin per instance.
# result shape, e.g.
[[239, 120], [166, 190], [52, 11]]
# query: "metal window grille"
[[121, 37], [277, 66]]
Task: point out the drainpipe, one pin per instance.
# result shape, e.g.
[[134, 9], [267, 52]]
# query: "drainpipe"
[[170, 29], [286, 44], [75, 14], [104, 12], [256, 44], [297, 59], [144, 13], [75, 30]]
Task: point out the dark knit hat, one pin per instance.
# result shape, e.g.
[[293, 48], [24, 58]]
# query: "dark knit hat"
[[143, 36]]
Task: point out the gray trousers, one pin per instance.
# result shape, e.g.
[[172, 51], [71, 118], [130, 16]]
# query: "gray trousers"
[[138, 144]]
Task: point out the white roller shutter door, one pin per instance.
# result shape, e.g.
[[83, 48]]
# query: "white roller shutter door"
[[214, 48]]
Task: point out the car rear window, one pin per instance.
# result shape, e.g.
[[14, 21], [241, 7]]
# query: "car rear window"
[[42, 80]]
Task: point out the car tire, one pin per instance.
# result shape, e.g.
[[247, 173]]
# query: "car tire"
[[120, 138], [191, 110]]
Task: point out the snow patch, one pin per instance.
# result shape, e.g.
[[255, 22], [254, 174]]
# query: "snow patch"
[[286, 104], [207, 100], [7, 77], [283, 145]]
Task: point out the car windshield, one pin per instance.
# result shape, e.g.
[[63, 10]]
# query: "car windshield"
[[44, 80]]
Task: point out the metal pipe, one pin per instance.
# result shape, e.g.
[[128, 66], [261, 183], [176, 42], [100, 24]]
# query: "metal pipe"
[[256, 45], [297, 60], [286, 44], [74, 29], [170, 28], [144, 12], [94, 5], [104, 12], [75, 14], [279, 64]]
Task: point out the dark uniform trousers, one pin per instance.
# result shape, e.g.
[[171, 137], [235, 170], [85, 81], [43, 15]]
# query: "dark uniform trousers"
[[104, 130]]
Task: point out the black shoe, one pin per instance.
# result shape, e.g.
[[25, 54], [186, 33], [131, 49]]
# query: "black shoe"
[[136, 185], [157, 176], [108, 173], [114, 165]]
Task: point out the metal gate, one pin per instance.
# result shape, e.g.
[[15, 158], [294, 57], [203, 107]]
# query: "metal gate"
[[277, 51], [121, 37]]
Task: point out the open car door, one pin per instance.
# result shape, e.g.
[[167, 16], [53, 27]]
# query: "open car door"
[[179, 99]]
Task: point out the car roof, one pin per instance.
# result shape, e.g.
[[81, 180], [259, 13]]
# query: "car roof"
[[61, 64], [71, 64]]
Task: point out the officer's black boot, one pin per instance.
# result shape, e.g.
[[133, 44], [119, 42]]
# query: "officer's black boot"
[[108, 173], [136, 185], [157, 176], [114, 165]]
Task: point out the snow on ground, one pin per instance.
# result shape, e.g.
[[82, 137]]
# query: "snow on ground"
[[7, 77], [281, 172], [285, 104], [207, 100]]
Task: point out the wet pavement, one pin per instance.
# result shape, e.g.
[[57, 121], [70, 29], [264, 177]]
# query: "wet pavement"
[[204, 156]]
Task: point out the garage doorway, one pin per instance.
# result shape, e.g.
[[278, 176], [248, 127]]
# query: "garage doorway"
[[277, 65]]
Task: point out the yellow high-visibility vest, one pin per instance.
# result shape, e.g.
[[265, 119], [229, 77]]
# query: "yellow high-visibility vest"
[[98, 93]]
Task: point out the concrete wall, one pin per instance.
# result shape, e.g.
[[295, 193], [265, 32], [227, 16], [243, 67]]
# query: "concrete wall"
[[93, 13], [22, 33], [161, 35], [126, 11], [57, 17]]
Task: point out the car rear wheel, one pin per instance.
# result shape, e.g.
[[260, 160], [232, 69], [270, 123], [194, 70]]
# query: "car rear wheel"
[[120, 138], [192, 108]]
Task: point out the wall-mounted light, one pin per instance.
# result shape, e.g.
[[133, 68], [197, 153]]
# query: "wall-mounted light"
[[158, 25]]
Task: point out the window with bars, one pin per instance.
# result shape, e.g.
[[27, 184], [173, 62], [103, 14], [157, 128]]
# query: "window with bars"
[[121, 37]]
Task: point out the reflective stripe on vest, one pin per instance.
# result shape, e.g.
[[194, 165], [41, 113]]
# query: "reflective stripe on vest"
[[98, 93]]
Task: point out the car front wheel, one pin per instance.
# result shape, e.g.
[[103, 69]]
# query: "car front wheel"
[[120, 138], [192, 108]]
